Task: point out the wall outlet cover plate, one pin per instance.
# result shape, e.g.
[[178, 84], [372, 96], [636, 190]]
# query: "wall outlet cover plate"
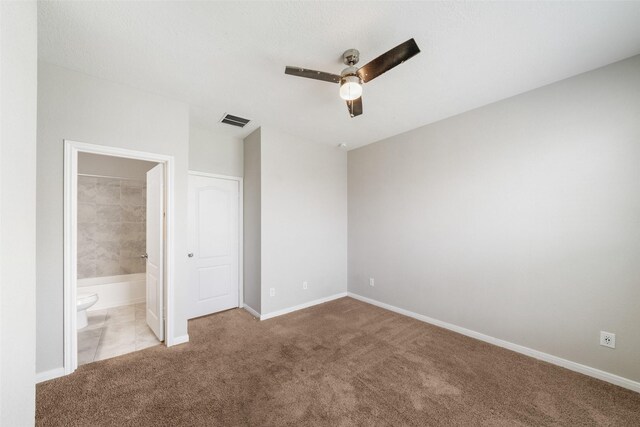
[[608, 339]]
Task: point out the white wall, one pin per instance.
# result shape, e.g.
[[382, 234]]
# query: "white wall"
[[18, 96], [215, 152], [79, 107], [252, 221], [304, 220], [116, 167], [519, 220]]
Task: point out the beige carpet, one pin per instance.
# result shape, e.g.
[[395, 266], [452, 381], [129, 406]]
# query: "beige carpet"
[[341, 363]]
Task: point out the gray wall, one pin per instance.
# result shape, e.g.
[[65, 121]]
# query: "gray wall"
[[304, 220], [82, 108], [215, 152], [251, 232], [18, 85], [112, 225], [519, 220]]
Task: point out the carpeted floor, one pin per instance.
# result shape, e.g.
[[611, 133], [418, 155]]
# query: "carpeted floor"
[[341, 363]]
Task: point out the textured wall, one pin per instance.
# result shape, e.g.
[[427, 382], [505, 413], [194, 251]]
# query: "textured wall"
[[295, 220], [252, 226], [215, 151], [79, 107], [111, 226], [303, 220], [519, 220], [18, 85]]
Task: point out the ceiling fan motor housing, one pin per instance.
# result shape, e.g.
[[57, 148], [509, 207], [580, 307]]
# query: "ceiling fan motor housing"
[[351, 56], [349, 71]]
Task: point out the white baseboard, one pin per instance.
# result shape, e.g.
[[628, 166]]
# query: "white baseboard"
[[59, 372], [179, 340], [49, 375], [251, 311], [555, 360], [301, 306]]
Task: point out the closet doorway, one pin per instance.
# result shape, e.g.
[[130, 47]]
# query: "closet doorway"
[[215, 243]]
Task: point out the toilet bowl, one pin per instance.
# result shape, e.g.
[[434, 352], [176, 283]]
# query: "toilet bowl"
[[83, 302]]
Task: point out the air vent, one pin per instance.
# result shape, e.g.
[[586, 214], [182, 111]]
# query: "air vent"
[[234, 120]]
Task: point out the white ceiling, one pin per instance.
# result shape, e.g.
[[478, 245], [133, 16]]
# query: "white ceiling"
[[230, 57]]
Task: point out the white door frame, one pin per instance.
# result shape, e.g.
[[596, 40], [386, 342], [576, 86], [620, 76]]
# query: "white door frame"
[[71, 150], [240, 228]]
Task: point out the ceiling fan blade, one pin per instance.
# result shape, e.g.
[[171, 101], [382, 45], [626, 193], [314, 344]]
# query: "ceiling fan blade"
[[312, 74], [388, 60], [355, 107]]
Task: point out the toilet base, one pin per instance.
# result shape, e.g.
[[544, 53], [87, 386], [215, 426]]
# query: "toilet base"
[[82, 321]]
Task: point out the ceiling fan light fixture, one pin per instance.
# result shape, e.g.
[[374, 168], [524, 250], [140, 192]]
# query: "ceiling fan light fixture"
[[352, 78], [350, 88]]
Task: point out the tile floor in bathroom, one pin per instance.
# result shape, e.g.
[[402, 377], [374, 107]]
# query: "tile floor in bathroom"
[[114, 331]]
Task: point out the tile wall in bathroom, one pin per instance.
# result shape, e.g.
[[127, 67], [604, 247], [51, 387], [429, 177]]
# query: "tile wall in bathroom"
[[111, 226]]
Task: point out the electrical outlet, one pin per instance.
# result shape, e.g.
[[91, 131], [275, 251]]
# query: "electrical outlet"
[[607, 339], [272, 292], [305, 285], [371, 283]]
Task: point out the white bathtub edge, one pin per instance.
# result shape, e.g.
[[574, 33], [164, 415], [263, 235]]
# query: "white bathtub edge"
[[123, 278]]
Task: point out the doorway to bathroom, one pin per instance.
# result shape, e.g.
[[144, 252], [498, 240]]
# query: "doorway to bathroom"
[[112, 257], [117, 252]]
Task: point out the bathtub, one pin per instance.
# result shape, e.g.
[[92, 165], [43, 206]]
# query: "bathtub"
[[114, 291]]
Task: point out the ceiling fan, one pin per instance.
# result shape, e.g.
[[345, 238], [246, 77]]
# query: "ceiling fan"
[[352, 77]]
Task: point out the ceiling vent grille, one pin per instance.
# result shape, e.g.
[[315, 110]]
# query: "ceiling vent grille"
[[234, 120]]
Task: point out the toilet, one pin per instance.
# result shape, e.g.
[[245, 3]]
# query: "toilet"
[[83, 302]]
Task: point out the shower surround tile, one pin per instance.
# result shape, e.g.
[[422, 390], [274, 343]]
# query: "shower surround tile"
[[107, 193], [108, 259], [86, 257], [108, 232], [132, 265], [108, 213], [86, 213], [108, 251], [108, 268], [133, 183], [131, 195], [111, 226], [132, 213], [87, 189], [87, 268], [132, 249], [86, 232], [132, 232]]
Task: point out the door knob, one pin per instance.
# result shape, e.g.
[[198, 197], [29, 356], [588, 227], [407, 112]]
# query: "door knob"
[[145, 256], [190, 254]]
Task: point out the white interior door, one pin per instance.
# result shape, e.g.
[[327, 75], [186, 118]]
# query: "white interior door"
[[155, 253], [213, 244]]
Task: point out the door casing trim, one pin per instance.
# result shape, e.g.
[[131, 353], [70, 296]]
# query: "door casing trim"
[[70, 242]]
